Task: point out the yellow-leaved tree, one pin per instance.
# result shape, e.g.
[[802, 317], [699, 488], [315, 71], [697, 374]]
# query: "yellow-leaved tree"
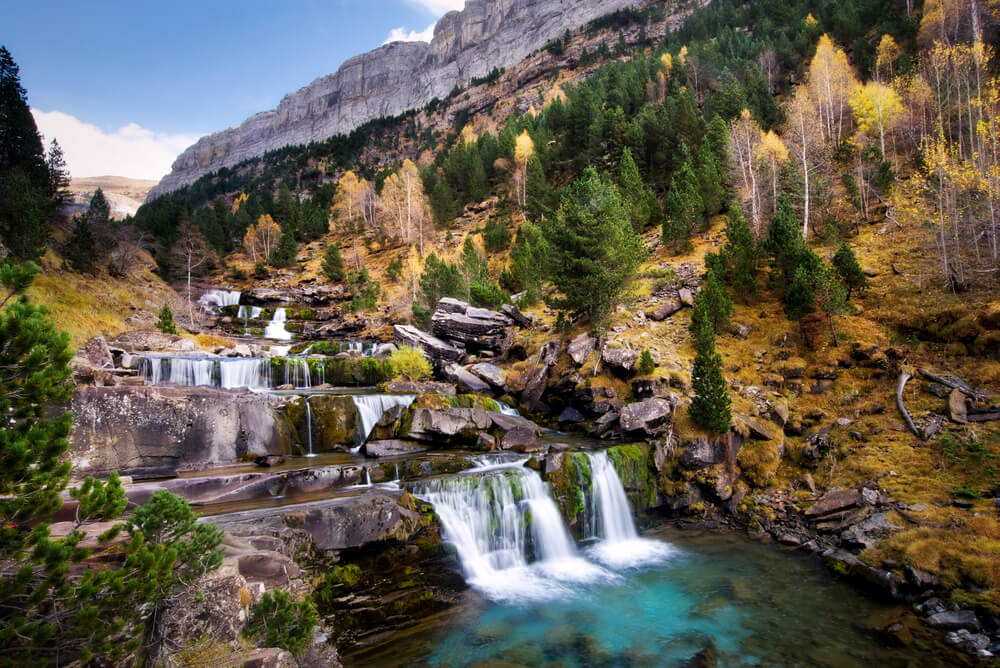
[[744, 139], [772, 153], [404, 201], [346, 207], [877, 108], [831, 82], [804, 137], [524, 148], [261, 238]]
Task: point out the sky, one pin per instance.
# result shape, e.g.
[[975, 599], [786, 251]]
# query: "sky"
[[126, 86]]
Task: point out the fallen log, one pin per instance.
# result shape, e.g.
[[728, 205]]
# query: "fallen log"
[[904, 378]]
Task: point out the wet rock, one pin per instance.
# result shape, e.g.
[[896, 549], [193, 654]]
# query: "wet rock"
[[950, 620], [649, 416], [869, 532], [664, 310], [336, 422], [464, 379], [486, 442], [521, 440], [436, 349], [268, 461], [579, 349], [392, 448]]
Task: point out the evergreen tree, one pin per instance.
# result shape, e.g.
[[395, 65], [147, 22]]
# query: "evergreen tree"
[[333, 263], [646, 364], [710, 407], [528, 259], [99, 211], [80, 248], [593, 249], [632, 191], [784, 242], [165, 321], [850, 272], [538, 193], [800, 297], [717, 303], [58, 174], [22, 216], [284, 208], [442, 201], [394, 270], [284, 254], [710, 177], [740, 255], [684, 209]]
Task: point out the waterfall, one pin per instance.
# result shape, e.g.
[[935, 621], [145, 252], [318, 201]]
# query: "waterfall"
[[309, 428], [611, 517], [372, 406], [507, 531], [248, 313], [225, 373], [508, 410], [276, 328], [297, 372], [216, 299]]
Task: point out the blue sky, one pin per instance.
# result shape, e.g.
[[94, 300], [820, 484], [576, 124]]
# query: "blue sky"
[[125, 86]]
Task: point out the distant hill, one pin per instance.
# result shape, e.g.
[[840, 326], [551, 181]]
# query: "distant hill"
[[125, 195]]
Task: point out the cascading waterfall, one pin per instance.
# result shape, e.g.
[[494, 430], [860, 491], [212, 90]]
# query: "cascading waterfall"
[[216, 299], [248, 313], [611, 517], [499, 516], [228, 373], [508, 410], [372, 406], [276, 328], [309, 428]]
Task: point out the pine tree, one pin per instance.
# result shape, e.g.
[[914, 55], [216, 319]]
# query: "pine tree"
[[538, 193], [784, 242], [284, 254], [632, 191], [333, 263], [847, 267], [710, 407], [80, 248], [685, 210], [58, 174], [710, 176], [740, 255], [593, 249], [800, 296], [718, 304], [165, 321]]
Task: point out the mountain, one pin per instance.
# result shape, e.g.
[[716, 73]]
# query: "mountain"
[[392, 79], [125, 195]]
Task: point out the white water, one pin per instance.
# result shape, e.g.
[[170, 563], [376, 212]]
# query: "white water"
[[497, 516], [508, 410], [309, 428], [248, 313], [229, 373], [611, 516], [214, 300], [372, 406], [276, 328]]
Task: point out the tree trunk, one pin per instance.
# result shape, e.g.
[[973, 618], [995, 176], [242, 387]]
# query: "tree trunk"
[[190, 310]]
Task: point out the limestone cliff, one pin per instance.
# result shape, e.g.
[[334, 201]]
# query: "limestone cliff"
[[392, 79]]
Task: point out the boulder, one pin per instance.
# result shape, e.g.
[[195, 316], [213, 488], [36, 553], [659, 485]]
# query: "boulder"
[[490, 373], [649, 416], [450, 425], [701, 453], [142, 341], [96, 352], [833, 501], [268, 657], [439, 351], [419, 387], [336, 422], [664, 310], [619, 357], [269, 568], [157, 431], [475, 328], [686, 296], [521, 439], [464, 379], [750, 427], [392, 448], [331, 524], [579, 349], [515, 314], [486, 442], [536, 379], [570, 415], [385, 351], [958, 410], [953, 620]]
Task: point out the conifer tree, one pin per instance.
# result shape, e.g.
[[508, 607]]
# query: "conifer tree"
[[58, 173], [684, 209], [710, 175], [632, 191], [333, 263], [284, 254], [165, 321], [593, 249], [800, 296], [718, 304], [850, 272], [710, 407], [740, 255], [80, 247], [784, 242]]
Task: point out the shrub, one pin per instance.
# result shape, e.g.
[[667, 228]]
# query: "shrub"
[[646, 364], [278, 621], [410, 363], [394, 270]]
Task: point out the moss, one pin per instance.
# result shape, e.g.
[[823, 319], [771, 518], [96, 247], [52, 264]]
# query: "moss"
[[571, 485], [635, 469], [759, 461]]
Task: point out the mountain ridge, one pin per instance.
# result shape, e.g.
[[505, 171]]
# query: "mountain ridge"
[[391, 79]]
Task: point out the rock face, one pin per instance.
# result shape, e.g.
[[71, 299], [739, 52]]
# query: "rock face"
[[392, 79], [158, 431]]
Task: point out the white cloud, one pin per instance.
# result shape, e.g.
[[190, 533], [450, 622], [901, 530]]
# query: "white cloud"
[[439, 7], [131, 151], [403, 35]]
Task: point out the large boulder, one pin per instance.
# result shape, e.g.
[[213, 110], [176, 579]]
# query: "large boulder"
[[649, 416], [439, 351], [332, 524], [143, 341], [448, 425], [579, 349], [465, 379], [475, 328], [158, 431], [490, 373], [701, 453], [664, 310], [619, 357], [96, 352]]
